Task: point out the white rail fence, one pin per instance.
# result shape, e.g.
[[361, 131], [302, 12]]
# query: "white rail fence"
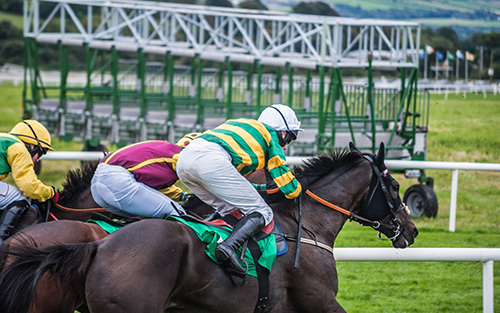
[[454, 166], [486, 256], [392, 164]]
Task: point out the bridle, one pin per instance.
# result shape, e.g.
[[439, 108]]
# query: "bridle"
[[377, 183], [378, 224]]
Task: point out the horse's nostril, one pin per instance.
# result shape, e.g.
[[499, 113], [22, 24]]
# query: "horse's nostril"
[[415, 233]]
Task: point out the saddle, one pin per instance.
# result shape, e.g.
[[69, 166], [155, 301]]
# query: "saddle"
[[109, 224], [233, 217], [216, 221], [209, 232]]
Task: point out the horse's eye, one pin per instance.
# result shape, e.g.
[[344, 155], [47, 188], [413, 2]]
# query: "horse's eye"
[[394, 189]]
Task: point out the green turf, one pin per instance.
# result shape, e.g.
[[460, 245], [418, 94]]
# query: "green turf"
[[458, 5], [16, 20]]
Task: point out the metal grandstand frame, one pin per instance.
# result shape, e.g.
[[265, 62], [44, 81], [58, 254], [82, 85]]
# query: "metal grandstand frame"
[[216, 33], [227, 36]]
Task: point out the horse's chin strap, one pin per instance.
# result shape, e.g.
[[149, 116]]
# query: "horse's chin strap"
[[399, 229]]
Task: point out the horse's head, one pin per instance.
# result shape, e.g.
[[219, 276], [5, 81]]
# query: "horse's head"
[[383, 208]]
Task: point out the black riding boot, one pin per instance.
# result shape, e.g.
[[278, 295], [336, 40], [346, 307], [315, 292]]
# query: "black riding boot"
[[243, 230], [10, 218]]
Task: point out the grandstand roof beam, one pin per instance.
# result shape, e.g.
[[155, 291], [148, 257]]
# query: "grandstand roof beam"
[[274, 38]]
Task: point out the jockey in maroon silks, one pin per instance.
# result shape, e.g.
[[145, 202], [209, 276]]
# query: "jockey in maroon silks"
[[138, 180]]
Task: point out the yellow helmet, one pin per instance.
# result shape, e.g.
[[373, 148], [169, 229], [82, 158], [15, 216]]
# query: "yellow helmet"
[[31, 131], [184, 141]]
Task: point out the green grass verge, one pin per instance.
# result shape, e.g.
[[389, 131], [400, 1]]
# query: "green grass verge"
[[442, 22], [458, 5], [16, 20], [461, 130]]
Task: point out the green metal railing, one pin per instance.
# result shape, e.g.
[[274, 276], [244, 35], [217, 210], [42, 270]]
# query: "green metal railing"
[[321, 99]]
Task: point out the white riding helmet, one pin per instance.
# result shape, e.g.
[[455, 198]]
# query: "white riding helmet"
[[280, 117]]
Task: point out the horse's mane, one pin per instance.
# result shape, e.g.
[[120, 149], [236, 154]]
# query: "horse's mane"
[[77, 181], [319, 166]]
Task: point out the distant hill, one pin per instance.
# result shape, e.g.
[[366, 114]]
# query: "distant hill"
[[464, 16]]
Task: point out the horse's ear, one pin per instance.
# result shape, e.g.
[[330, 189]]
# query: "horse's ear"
[[381, 155], [352, 147]]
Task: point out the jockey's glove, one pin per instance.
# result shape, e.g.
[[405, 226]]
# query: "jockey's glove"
[[303, 183], [55, 198], [184, 196]]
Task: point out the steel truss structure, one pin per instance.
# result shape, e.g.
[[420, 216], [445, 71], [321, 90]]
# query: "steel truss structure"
[[212, 33], [138, 100]]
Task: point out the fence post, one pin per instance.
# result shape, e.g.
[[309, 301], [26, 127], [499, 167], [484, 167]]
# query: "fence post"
[[229, 92], [290, 85], [453, 200], [199, 103], [488, 287], [170, 95], [321, 110]]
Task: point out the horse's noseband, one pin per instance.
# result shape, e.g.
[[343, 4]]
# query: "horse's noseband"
[[395, 226], [378, 183]]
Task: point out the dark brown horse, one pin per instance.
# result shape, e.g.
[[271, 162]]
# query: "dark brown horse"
[[157, 266], [49, 297]]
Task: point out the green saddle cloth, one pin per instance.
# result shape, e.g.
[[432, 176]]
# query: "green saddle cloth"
[[211, 235], [106, 226]]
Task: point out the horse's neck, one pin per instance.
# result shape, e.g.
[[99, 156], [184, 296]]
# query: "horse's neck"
[[347, 191], [86, 200]]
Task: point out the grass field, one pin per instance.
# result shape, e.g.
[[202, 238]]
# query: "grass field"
[[459, 5], [16, 20], [444, 22], [461, 130]]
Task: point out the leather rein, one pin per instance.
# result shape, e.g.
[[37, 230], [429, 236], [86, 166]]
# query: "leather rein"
[[90, 210], [63, 208]]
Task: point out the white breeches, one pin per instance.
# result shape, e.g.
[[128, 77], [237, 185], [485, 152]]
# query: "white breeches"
[[9, 194], [115, 189], [205, 168]]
